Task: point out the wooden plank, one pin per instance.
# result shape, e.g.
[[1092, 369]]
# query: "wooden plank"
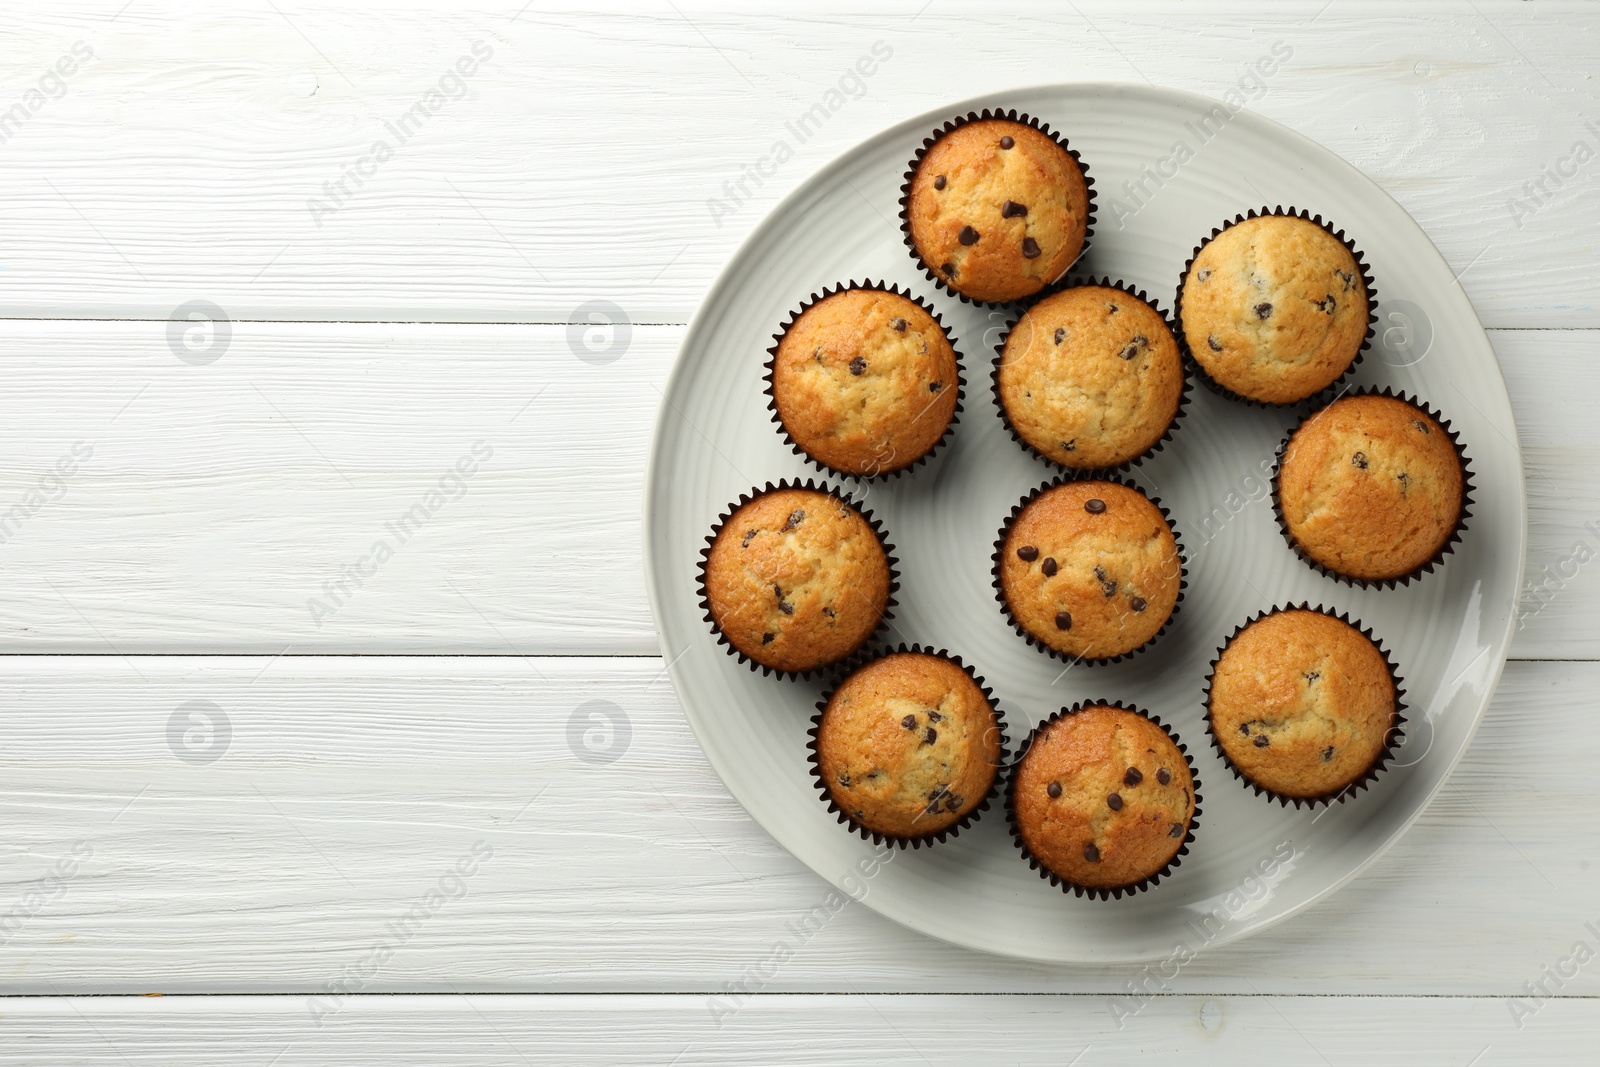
[[234, 157], [282, 851], [921, 1029], [218, 502]]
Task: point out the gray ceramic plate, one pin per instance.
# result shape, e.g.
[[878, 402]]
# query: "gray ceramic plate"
[[1253, 862]]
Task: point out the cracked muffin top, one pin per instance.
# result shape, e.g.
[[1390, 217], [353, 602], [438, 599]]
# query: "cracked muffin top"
[[1103, 797], [1302, 703], [997, 210], [1274, 308], [908, 745], [797, 579], [865, 381], [1090, 569], [1090, 377], [1371, 487]]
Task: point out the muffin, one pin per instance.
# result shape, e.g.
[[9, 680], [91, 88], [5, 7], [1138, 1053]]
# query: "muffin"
[[864, 381], [908, 746], [1371, 488], [1102, 799], [1302, 704], [996, 208], [1089, 569], [1090, 377], [1274, 308], [796, 579]]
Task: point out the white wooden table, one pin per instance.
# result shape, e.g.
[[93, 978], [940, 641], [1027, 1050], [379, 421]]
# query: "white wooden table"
[[370, 807]]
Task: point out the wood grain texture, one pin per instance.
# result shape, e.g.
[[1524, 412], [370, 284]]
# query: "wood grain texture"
[[344, 791], [578, 161], [218, 501], [921, 1029]]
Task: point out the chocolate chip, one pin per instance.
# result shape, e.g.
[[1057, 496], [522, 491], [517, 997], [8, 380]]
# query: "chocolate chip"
[[1327, 304], [1030, 248], [1054, 789], [1007, 141], [1347, 277], [786, 607], [1049, 567], [858, 366], [1094, 506], [1091, 853], [1070, 446], [1419, 424], [967, 236], [1405, 482], [934, 716], [1176, 831], [749, 535], [1204, 273], [952, 802], [909, 722], [830, 613], [1114, 802], [1212, 342], [1063, 620], [934, 387], [938, 183], [1164, 776], [949, 269], [1244, 728], [1113, 307], [1312, 676], [931, 736], [1061, 334], [844, 779], [898, 325], [1263, 310], [1028, 553], [1262, 740], [1129, 351], [1133, 777], [1327, 754], [1138, 603], [1013, 210], [1107, 585], [796, 517], [766, 639], [1359, 460]]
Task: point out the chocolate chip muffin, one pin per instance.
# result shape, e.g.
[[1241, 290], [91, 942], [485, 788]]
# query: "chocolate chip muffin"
[[1103, 799], [996, 208], [1090, 377], [1371, 488], [864, 381], [908, 746], [1302, 704], [796, 579], [1274, 308], [1089, 569]]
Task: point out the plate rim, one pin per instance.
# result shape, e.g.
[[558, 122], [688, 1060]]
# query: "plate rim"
[[929, 120]]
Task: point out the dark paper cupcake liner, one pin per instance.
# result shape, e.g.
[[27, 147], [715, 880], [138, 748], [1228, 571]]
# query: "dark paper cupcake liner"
[[949, 127], [877, 837], [772, 364], [1097, 892], [1366, 279], [1450, 542], [843, 498], [1000, 547], [1391, 742], [1071, 282]]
